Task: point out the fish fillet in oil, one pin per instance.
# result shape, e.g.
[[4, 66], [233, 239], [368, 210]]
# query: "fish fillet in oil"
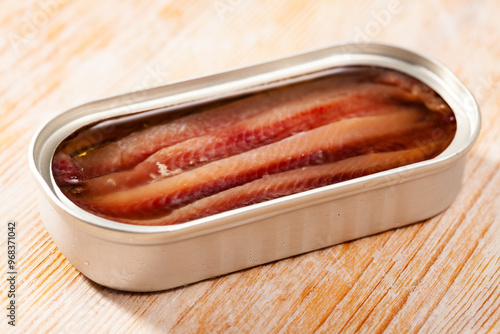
[[259, 147]]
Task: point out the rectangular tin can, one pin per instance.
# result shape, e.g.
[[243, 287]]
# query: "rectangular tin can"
[[152, 258]]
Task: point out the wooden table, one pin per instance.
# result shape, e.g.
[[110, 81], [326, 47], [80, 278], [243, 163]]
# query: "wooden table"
[[441, 275]]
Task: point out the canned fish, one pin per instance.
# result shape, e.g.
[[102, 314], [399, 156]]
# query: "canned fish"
[[179, 183]]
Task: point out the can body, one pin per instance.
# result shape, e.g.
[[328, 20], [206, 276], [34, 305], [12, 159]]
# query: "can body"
[[151, 258]]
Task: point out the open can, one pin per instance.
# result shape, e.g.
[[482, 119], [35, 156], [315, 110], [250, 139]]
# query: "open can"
[[151, 258]]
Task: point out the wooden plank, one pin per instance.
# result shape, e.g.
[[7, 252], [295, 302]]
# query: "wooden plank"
[[441, 275]]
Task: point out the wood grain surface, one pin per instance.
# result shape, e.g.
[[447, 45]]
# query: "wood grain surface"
[[438, 276]]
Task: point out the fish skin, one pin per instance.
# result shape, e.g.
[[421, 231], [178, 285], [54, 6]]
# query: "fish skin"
[[324, 144], [126, 152], [292, 182], [68, 174], [256, 131], [130, 150]]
